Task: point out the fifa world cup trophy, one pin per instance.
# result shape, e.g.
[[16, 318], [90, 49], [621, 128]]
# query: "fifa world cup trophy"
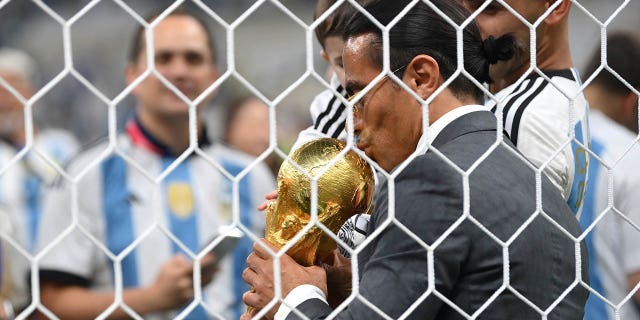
[[345, 189]]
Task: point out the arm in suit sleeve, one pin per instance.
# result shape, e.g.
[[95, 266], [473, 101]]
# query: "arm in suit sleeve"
[[394, 274]]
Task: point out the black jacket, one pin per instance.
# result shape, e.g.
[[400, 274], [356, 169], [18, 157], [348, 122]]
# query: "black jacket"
[[493, 253]]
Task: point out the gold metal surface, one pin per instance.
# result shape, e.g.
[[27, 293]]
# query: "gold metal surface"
[[345, 189]]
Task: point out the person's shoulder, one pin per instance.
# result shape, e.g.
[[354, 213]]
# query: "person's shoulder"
[[609, 131], [558, 95], [58, 144], [94, 152], [432, 168], [55, 135], [615, 144]]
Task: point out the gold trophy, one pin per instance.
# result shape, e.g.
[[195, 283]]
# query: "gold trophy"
[[345, 189]]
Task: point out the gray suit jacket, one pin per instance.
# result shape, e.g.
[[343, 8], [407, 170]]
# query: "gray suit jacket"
[[469, 266]]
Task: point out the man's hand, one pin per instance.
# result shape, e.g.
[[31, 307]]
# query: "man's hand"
[[269, 197], [338, 279], [173, 287], [259, 275]]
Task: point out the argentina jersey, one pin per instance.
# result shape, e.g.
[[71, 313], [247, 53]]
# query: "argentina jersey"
[[613, 242], [539, 116], [145, 207], [26, 180]]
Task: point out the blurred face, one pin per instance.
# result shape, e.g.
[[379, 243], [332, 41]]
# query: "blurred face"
[[249, 131], [332, 53], [496, 20], [388, 120], [11, 110], [181, 55]]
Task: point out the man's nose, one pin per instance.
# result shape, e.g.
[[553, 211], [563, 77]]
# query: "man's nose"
[[177, 68]]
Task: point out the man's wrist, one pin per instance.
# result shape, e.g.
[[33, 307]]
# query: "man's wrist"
[[297, 296]]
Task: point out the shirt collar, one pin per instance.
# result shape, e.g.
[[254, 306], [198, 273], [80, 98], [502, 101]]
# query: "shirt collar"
[[141, 137], [435, 128]]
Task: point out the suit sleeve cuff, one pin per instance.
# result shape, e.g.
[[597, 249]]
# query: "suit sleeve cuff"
[[297, 296]]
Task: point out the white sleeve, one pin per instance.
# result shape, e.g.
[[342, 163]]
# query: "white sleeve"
[[297, 296], [541, 134], [328, 115], [72, 253]]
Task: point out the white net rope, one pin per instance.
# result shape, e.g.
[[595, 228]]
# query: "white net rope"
[[114, 148]]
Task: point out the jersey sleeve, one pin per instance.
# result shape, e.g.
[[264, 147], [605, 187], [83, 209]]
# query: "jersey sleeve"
[[328, 116], [70, 257], [542, 135]]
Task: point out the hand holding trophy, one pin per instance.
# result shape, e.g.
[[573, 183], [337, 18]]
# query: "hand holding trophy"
[[345, 189]]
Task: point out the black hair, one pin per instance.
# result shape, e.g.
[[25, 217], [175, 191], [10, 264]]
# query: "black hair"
[[138, 40], [335, 23], [423, 31], [622, 51]]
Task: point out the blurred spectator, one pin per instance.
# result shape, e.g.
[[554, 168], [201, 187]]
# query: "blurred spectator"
[[247, 128], [25, 180], [117, 204], [614, 244]]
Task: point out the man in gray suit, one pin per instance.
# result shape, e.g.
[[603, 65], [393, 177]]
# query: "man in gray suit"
[[472, 228]]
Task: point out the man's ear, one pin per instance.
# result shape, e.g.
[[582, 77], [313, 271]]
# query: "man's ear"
[[130, 73], [324, 55], [558, 14], [424, 75]]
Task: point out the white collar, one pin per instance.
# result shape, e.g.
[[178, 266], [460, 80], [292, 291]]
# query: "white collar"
[[435, 128]]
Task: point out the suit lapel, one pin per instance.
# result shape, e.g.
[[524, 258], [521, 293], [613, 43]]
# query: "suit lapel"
[[468, 123]]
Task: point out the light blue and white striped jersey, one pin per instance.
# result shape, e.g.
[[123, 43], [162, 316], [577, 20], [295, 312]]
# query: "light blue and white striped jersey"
[[613, 244], [120, 203], [21, 190], [539, 116]]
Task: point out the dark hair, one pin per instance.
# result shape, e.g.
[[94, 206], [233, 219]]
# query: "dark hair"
[[335, 23], [622, 51], [423, 31], [138, 40]]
